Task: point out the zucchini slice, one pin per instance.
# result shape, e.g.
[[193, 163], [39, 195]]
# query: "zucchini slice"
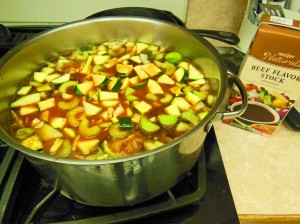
[[190, 116], [61, 79], [86, 146], [125, 122], [124, 70], [46, 104], [167, 120], [154, 87], [114, 85], [151, 69], [194, 74], [143, 107], [40, 76], [91, 109], [27, 100], [165, 79], [140, 72], [116, 131], [24, 90], [84, 88], [100, 80], [148, 126]]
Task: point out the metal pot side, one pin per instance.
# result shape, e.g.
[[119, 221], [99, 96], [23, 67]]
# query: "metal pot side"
[[122, 181]]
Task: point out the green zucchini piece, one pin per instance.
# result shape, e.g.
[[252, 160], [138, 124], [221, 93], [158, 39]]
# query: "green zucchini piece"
[[154, 87], [192, 98], [190, 116], [64, 78], [65, 149], [24, 90], [173, 57], [173, 110], [114, 85], [200, 95], [167, 120], [159, 56], [91, 109], [40, 76], [116, 131], [165, 79], [148, 126], [136, 59], [28, 109], [84, 88], [151, 96], [87, 146], [26, 100], [194, 74], [143, 107], [131, 98], [108, 96], [181, 103], [183, 127], [58, 122], [150, 145], [129, 91], [101, 59], [151, 69], [56, 145], [100, 80], [48, 133], [140, 72], [141, 47], [124, 70], [33, 143], [44, 88], [87, 64], [24, 133], [180, 74], [183, 64], [125, 122], [46, 104], [202, 114], [140, 85]]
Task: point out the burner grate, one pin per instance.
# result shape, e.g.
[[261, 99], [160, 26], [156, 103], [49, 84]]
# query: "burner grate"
[[40, 203]]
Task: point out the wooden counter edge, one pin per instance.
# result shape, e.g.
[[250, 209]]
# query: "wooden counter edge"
[[267, 219]]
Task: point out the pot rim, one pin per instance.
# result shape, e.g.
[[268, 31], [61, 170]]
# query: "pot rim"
[[222, 90]]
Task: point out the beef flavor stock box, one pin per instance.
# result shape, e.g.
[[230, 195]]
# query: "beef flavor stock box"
[[271, 75]]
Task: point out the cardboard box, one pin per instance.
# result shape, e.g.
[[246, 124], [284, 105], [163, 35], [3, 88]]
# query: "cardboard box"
[[271, 74]]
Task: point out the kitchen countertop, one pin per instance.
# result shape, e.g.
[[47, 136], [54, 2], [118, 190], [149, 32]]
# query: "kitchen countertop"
[[263, 172]]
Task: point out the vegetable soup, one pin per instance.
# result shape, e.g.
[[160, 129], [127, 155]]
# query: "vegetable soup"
[[110, 100]]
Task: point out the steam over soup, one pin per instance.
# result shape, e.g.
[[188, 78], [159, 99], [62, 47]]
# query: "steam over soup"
[[109, 101]]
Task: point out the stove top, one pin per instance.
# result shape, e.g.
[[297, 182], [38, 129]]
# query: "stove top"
[[203, 195]]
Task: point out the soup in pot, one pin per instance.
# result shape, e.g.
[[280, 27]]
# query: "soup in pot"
[[110, 100]]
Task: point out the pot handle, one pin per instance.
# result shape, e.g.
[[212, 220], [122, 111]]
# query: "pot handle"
[[226, 37], [235, 79], [232, 114]]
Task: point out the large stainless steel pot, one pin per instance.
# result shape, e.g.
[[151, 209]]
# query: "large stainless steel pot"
[[128, 180]]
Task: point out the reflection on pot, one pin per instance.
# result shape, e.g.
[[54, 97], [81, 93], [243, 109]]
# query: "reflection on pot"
[[257, 113]]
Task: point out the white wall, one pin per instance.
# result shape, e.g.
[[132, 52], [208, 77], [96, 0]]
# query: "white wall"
[[28, 12]]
